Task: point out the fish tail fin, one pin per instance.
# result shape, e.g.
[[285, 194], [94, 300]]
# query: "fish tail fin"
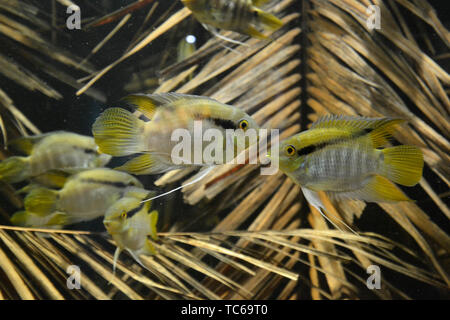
[[268, 20], [403, 164], [20, 218], [118, 132], [41, 201], [14, 169]]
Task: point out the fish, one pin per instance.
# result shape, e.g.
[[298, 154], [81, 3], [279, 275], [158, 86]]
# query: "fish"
[[85, 196], [130, 224], [242, 16], [343, 157], [186, 48], [119, 132], [51, 151]]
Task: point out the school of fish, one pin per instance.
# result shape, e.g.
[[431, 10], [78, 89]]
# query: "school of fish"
[[68, 181]]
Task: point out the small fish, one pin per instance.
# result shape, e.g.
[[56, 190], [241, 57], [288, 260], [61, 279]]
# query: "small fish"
[[85, 196], [50, 151], [119, 132], [130, 224], [242, 16], [341, 155]]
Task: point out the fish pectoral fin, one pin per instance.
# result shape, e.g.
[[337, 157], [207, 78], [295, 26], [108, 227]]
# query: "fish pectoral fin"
[[58, 219], [149, 249], [377, 189], [145, 164], [135, 256]]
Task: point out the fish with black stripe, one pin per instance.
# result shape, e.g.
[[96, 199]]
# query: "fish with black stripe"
[[120, 132], [85, 196], [242, 16], [343, 156], [132, 227], [57, 150]]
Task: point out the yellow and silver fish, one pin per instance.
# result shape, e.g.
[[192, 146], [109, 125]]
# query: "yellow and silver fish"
[[50, 151], [130, 225], [341, 155], [85, 196], [241, 16], [119, 132]]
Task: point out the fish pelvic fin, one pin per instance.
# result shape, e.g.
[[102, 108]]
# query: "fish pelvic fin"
[[41, 201], [377, 189], [118, 132], [145, 164], [403, 165], [252, 32], [14, 169], [268, 20]]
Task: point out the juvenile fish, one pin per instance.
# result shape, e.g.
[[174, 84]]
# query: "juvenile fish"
[[50, 151], [341, 155], [85, 196]]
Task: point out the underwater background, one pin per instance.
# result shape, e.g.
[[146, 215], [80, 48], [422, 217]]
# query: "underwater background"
[[236, 234]]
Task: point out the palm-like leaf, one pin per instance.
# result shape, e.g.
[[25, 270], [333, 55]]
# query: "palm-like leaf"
[[331, 64]]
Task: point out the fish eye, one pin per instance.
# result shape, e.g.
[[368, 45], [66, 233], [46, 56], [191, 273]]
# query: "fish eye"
[[123, 215], [243, 125], [290, 150]]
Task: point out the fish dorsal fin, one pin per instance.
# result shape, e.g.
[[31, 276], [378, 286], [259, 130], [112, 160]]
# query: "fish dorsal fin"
[[142, 103], [148, 104], [378, 129]]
